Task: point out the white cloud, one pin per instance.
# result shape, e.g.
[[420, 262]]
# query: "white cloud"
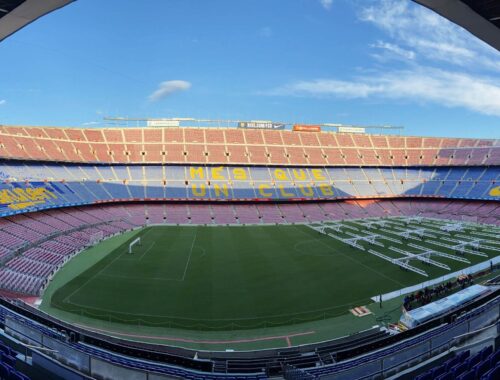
[[451, 89], [327, 4], [3, 102], [445, 64], [425, 41], [394, 51], [90, 123], [429, 35], [167, 88]]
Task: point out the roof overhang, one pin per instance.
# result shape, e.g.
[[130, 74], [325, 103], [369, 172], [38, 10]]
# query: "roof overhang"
[[457, 11], [24, 13]]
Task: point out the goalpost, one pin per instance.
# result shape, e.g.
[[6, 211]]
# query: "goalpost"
[[135, 242]]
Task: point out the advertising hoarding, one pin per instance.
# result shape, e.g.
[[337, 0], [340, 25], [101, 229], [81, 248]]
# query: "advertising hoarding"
[[163, 123], [260, 124], [306, 128]]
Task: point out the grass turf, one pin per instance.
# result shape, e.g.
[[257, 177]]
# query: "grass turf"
[[228, 278]]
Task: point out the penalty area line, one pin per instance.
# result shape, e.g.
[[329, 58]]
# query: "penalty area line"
[[189, 257]]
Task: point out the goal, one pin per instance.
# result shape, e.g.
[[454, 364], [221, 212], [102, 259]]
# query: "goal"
[[134, 243]]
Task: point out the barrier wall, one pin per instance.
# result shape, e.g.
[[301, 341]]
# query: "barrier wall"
[[391, 360], [414, 288], [383, 363]]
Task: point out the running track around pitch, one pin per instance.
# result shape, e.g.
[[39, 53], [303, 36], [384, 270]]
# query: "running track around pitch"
[[287, 337]]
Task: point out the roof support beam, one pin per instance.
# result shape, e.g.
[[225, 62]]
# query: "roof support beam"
[[26, 13], [461, 14]]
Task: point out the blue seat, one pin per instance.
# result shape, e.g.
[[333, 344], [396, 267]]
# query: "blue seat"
[[18, 376], [473, 360], [4, 371], [451, 362], [4, 349], [469, 375], [482, 368], [485, 352], [445, 376], [436, 371], [495, 358], [424, 376], [464, 355], [492, 374], [459, 369], [8, 359]]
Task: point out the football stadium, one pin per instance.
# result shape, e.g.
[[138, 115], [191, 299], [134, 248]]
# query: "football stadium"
[[248, 249]]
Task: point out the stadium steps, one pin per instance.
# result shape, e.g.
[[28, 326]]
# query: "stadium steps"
[[220, 366], [326, 358]]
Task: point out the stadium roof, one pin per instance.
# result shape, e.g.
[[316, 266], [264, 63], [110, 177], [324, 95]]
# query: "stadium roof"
[[480, 17], [16, 14]]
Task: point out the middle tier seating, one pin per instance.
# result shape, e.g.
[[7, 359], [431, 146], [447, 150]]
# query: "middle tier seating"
[[38, 186]]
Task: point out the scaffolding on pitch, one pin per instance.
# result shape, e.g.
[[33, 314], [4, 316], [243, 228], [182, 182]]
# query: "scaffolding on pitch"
[[354, 241], [413, 219], [453, 227], [424, 256], [439, 253], [372, 223], [399, 262], [461, 246], [486, 241]]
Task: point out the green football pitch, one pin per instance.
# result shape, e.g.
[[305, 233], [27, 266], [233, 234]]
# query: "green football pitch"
[[241, 277]]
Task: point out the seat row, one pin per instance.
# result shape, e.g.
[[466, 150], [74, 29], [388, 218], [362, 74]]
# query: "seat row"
[[483, 365], [238, 146]]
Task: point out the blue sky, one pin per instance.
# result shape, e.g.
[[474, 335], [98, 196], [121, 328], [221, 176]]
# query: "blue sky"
[[341, 61]]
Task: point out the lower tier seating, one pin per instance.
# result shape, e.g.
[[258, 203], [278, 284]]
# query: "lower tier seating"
[[50, 238]]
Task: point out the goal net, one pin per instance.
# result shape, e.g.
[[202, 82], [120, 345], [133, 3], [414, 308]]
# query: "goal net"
[[134, 243]]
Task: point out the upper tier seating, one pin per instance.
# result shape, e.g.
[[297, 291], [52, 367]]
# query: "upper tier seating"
[[239, 146]]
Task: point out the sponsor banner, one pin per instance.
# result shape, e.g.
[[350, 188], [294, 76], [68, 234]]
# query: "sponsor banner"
[[260, 125], [352, 129], [163, 123], [306, 128]]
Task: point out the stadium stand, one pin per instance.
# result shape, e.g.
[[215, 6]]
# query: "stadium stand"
[[8, 364], [64, 189], [33, 186], [346, 357], [483, 365], [229, 146]]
